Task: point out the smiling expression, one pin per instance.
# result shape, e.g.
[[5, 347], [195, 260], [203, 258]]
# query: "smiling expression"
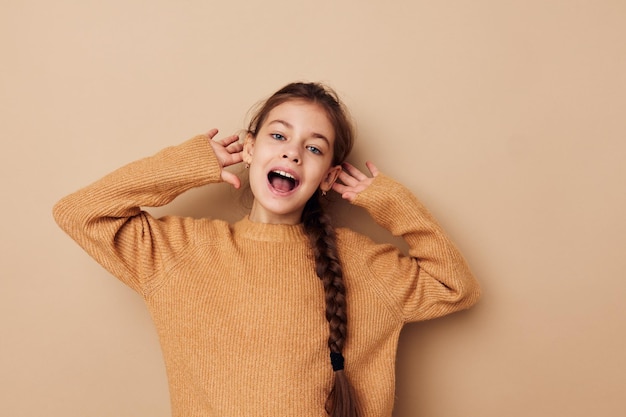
[[290, 159]]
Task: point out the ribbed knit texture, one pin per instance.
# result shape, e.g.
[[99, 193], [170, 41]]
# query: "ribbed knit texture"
[[239, 309]]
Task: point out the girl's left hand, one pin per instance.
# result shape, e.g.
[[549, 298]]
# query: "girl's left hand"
[[353, 181]]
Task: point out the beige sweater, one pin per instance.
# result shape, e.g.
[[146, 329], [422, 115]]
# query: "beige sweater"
[[239, 309]]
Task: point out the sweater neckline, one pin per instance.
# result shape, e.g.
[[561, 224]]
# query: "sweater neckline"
[[268, 232]]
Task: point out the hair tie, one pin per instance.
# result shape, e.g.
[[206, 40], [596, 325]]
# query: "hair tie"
[[336, 360]]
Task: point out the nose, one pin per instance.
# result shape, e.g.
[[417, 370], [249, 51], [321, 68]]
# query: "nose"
[[292, 154]]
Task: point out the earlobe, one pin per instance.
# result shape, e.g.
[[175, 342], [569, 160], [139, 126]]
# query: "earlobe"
[[248, 148]]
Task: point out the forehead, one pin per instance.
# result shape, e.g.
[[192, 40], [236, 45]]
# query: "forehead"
[[303, 116]]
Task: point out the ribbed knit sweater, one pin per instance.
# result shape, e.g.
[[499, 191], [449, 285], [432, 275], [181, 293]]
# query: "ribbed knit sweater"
[[239, 309]]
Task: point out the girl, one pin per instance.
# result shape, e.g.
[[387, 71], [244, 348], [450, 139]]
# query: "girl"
[[248, 314]]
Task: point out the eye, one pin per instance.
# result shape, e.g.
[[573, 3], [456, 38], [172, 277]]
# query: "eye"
[[314, 150], [277, 136]]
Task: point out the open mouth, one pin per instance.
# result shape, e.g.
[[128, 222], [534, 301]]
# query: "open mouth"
[[282, 181]]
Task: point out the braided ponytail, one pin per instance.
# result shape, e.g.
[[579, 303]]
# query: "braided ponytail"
[[341, 401]]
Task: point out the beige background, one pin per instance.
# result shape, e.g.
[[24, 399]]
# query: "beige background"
[[505, 117]]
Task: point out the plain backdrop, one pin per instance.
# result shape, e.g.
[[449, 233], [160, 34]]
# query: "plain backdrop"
[[506, 118]]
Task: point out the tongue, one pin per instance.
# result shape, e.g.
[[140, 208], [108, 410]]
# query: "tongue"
[[282, 184]]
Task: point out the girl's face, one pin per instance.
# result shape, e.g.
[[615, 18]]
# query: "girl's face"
[[290, 158]]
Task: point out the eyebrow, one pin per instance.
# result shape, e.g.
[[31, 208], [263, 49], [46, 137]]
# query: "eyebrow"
[[289, 126]]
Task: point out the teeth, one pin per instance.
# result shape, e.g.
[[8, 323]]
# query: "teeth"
[[284, 174]]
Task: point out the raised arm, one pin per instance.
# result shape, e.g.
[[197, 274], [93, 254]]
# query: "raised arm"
[[434, 280], [106, 219]]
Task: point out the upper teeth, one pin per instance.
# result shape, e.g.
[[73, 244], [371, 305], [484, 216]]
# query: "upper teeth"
[[284, 174]]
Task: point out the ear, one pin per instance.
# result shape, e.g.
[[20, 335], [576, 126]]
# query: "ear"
[[248, 148], [329, 179]]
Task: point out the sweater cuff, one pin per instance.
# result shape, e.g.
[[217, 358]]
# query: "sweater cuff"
[[196, 155]]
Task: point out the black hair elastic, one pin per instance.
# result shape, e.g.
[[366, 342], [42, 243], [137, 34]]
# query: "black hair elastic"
[[336, 360]]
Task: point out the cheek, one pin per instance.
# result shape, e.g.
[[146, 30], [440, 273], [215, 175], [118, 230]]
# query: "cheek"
[[320, 175], [255, 176]]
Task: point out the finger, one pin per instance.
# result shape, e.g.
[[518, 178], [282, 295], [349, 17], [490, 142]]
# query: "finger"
[[347, 179], [211, 133], [339, 188], [373, 169], [345, 192], [349, 196], [354, 171], [236, 158], [230, 140], [234, 147], [231, 179]]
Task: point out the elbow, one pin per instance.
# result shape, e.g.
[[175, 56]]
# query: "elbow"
[[464, 293], [470, 293], [58, 213], [67, 215]]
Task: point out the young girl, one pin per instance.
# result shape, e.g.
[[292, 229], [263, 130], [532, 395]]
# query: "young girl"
[[278, 314]]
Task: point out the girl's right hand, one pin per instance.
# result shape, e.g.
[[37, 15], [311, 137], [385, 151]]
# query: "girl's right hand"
[[228, 151]]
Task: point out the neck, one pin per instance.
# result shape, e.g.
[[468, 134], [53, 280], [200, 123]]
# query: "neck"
[[259, 215]]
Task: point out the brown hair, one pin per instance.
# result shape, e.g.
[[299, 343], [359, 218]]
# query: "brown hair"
[[341, 400]]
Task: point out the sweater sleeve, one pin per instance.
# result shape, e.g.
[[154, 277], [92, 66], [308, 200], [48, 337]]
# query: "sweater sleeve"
[[434, 280], [106, 219]]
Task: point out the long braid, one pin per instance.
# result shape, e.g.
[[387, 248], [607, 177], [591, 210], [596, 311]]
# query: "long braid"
[[341, 401]]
